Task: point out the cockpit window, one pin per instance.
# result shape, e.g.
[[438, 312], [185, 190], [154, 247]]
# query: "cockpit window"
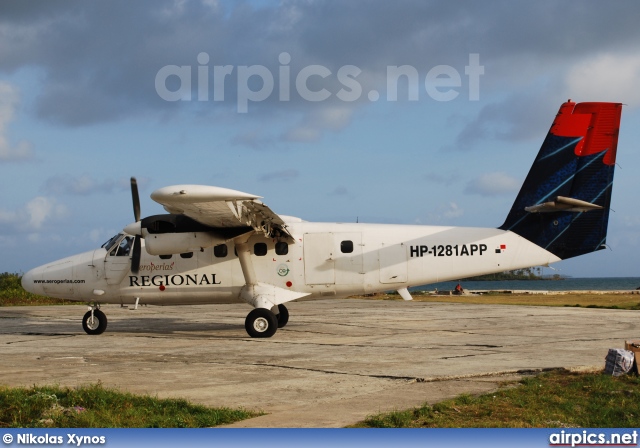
[[109, 244], [123, 248]]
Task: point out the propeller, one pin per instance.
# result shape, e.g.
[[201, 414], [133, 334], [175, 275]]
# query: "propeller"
[[135, 228], [136, 199]]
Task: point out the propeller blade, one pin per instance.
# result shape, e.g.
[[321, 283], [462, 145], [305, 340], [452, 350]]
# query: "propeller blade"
[[135, 255], [136, 198]]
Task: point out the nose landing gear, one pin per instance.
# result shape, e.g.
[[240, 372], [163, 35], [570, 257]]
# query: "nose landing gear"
[[94, 321]]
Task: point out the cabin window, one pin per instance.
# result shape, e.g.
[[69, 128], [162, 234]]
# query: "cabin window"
[[282, 248], [260, 249], [166, 257], [186, 255], [346, 247], [220, 251]]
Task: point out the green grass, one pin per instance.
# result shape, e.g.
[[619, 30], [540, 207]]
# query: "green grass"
[[554, 399], [13, 294], [607, 300], [94, 406]]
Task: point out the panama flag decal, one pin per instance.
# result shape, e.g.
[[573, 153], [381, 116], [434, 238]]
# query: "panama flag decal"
[[501, 248]]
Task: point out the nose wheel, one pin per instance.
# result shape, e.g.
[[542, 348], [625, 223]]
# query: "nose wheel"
[[94, 322]]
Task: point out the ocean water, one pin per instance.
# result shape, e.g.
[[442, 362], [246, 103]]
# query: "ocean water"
[[567, 284]]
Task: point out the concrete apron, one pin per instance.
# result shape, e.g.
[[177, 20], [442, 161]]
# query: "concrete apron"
[[336, 362]]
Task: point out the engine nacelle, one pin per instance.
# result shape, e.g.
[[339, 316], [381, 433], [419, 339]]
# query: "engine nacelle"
[[179, 243]]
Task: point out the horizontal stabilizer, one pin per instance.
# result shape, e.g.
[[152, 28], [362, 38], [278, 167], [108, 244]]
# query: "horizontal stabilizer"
[[563, 204]]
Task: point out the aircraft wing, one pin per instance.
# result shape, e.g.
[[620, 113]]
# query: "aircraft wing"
[[221, 207]]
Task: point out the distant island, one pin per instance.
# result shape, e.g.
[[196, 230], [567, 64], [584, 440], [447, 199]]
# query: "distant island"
[[534, 273]]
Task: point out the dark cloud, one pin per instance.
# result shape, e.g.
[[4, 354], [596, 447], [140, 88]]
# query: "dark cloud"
[[99, 60], [10, 152], [519, 117], [339, 191], [283, 175]]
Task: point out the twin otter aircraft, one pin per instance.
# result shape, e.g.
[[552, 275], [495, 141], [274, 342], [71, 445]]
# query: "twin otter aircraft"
[[218, 245]]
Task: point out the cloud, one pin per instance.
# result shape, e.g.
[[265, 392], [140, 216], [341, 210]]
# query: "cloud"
[[100, 235], [438, 178], [41, 209], [339, 191], [492, 184], [606, 77], [83, 185], [112, 77], [521, 116], [33, 216], [86, 185], [283, 175], [255, 139], [318, 120], [9, 100], [443, 214], [452, 211]]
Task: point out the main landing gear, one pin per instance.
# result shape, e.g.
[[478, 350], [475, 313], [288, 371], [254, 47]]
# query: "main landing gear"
[[94, 321], [263, 323]]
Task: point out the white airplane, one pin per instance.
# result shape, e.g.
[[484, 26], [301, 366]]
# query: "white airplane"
[[218, 245]]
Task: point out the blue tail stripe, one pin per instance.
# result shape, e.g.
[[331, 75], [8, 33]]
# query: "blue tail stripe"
[[544, 199], [573, 142]]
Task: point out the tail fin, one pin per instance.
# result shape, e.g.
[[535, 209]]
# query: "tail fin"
[[563, 205]]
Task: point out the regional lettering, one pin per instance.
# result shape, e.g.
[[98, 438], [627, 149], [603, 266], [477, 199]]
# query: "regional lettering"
[[449, 250], [173, 280]]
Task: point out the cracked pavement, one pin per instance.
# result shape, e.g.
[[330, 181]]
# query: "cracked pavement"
[[336, 362]]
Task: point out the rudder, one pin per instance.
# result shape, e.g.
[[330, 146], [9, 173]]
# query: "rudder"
[[569, 185]]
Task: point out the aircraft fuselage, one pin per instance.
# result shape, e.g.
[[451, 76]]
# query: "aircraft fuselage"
[[326, 260]]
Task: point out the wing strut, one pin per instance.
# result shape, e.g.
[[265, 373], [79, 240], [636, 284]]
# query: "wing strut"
[[255, 293]]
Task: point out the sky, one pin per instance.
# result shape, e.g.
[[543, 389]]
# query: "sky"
[[408, 112]]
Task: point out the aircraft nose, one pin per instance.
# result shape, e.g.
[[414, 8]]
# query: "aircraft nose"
[[30, 281]]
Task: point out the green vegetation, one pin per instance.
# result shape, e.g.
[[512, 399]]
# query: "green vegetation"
[[534, 273], [613, 300], [12, 293], [97, 407], [558, 399]]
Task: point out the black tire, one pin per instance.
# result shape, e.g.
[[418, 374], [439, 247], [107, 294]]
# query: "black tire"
[[283, 316], [261, 323], [98, 325]]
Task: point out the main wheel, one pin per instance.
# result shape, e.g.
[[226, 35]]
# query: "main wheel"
[[283, 316], [95, 325], [261, 323]]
